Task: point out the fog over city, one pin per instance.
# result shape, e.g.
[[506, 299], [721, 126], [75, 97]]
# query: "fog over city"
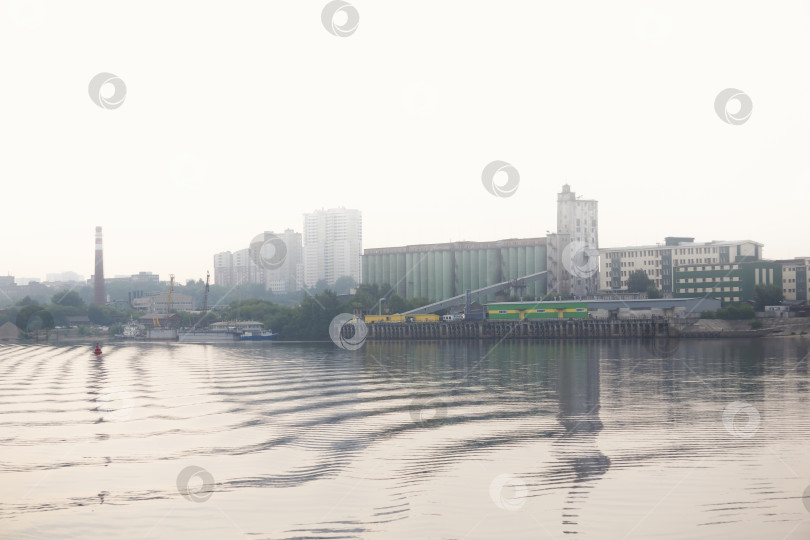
[[240, 120]]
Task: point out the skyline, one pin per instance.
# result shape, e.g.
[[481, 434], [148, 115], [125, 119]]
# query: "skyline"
[[252, 136]]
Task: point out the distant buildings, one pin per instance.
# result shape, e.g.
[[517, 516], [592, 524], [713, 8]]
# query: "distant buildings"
[[659, 261], [282, 261], [329, 249], [333, 244], [159, 303], [64, 277], [276, 261]]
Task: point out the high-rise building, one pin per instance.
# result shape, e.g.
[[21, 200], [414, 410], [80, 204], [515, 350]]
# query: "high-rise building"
[[244, 269], [333, 244], [573, 250], [99, 296], [281, 260], [223, 269]]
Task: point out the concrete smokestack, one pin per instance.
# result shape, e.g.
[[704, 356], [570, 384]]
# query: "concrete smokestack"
[[99, 297]]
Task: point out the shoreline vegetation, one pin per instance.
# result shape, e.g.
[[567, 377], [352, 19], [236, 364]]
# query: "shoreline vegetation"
[[69, 317]]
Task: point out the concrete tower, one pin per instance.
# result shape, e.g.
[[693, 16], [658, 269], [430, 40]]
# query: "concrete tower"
[[99, 296], [572, 256]]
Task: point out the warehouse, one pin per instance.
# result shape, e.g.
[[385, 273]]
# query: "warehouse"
[[439, 271]]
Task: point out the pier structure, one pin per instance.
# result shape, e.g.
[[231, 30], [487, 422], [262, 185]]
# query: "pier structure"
[[522, 329]]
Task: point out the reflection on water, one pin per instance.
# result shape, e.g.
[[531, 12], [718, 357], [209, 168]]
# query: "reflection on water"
[[577, 449], [405, 440]]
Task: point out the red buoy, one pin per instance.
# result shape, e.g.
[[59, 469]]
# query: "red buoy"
[[97, 352]]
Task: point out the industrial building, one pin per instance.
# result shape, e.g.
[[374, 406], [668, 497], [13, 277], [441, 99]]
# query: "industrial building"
[[159, 303], [796, 279], [659, 261], [573, 250], [440, 271], [733, 282], [602, 309]]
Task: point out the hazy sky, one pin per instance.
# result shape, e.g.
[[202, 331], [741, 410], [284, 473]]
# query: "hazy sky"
[[241, 116]]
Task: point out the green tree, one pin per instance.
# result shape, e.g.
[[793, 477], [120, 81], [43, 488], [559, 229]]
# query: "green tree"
[[767, 295], [33, 317], [343, 285], [103, 315], [638, 281], [397, 304], [67, 297], [653, 293]]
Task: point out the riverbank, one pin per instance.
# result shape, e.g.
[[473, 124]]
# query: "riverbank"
[[721, 328]]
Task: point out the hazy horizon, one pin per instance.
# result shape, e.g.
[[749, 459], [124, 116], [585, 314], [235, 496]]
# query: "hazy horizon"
[[239, 121]]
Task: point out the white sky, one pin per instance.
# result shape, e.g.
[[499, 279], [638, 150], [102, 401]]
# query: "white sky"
[[241, 116]]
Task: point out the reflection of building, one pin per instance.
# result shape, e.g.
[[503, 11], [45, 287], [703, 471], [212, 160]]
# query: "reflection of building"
[[582, 464], [333, 243], [577, 234], [658, 261]]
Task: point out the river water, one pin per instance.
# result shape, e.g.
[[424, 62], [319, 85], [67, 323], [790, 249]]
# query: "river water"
[[610, 439]]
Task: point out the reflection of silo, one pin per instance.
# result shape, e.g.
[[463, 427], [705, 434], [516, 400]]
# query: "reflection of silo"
[[99, 297], [582, 463]]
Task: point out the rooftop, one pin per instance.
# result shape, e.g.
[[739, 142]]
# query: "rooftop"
[[683, 244]]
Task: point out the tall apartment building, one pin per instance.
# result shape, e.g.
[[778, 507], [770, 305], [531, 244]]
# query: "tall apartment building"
[[571, 249], [283, 261], [660, 260], [223, 269], [244, 269], [333, 244]]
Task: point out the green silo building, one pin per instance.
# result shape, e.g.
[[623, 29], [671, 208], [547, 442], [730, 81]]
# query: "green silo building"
[[440, 271]]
